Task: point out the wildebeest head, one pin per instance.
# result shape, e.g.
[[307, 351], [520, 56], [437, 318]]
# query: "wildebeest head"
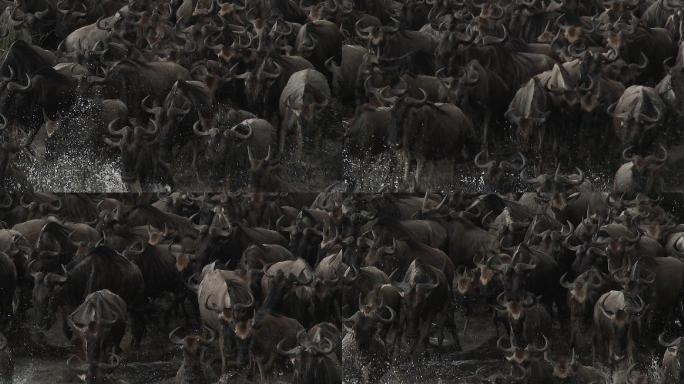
[[133, 144], [54, 247], [624, 71], [192, 345], [618, 252], [263, 173], [516, 354], [638, 111], [421, 290], [462, 86], [381, 255], [516, 312], [574, 33], [14, 92], [313, 359], [587, 255], [20, 15], [563, 368], [644, 169], [670, 88], [515, 274], [625, 325], [260, 81], [304, 238], [93, 322], [222, 142], [401, 106], [465, 282], [673, 357], [368, 323], [46, 290], [377, 36], [528, 110], [495, 170], [582, 292], [555, 185]]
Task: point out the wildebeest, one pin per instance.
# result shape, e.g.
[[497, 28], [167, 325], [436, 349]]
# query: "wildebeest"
[[427, 132], [100, 322], [314, 355], [637, 116], [302, 102], [617, 320], [224, 298], [425, 292], [193, 369], [103, 268], [640, 174]]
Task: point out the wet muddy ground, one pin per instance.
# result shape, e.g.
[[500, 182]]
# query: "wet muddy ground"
[[478, 360]]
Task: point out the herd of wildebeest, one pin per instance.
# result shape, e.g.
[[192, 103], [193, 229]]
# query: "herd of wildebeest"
[[581, 286], [235, 93], [263, 280]]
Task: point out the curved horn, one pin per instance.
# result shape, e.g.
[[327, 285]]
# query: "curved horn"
[[249, 304], [290, 352], [661, 341], [480, 164], [243, 136], [12, 86], [173, 337], [386, 320], [565, 283], [535, 348], [196, 129], [153, 110]]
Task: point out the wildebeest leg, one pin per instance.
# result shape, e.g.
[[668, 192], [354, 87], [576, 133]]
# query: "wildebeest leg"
[[540, 147], [137, 327], [65, 325], [407, 165], [485, 131], [300, 143], [135, 186], [260, 367], [281, 144], [221, 345], [420, 164], [319, 140], [422, 341], [451, 320]]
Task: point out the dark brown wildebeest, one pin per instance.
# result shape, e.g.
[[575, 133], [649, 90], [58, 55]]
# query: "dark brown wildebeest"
[[426, 299], [640, 174], [193, 370], [571, 369], [583, 293], [304, 98], [617, 321], [637, 116], [314, 356], [103, 268], [529, 111], [428, 132], [100, 323]]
